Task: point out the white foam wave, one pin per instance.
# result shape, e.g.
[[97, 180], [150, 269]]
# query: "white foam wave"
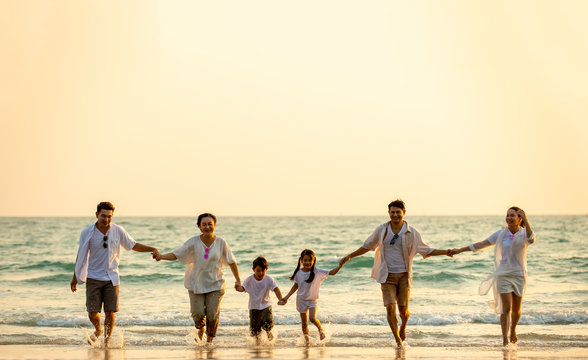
[[234, 318]]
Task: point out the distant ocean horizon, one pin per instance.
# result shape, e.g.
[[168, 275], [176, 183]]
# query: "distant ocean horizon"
[[446, 310]]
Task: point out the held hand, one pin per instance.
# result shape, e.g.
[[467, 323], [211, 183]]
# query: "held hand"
[[239, 287], [156, 255], [283, 301], [449, 252], [343, 261], [452, 252]]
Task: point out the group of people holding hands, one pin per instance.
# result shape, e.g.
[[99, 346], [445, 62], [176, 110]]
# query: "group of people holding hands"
[[395, 244]]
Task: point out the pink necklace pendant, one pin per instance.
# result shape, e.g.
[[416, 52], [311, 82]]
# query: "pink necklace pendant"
[[207, 250], [512, 237]]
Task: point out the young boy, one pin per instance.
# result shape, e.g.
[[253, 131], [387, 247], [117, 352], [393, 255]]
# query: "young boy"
[[258, 287]]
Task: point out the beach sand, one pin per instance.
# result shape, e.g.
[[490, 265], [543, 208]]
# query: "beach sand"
[[176, 352]]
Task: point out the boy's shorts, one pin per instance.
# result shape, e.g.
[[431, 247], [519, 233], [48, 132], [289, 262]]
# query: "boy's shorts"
[[395, 290], [98, 292], [303, 305], [260, 319]]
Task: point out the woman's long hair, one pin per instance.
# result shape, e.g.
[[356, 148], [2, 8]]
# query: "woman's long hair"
[[516, 208], [313, 257]]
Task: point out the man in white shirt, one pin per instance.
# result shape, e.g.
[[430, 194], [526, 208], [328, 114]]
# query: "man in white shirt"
[[97, 266], [396, 243]]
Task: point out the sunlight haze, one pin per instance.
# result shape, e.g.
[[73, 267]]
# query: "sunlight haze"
[[300, 108]]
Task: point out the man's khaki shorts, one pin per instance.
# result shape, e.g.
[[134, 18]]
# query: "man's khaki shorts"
[[395, 290], [98, 292]]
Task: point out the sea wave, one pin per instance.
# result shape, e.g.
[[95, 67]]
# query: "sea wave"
[[238, 318]]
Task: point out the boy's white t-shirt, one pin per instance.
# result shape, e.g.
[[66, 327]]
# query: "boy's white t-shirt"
[[259, 291], [310, 291]]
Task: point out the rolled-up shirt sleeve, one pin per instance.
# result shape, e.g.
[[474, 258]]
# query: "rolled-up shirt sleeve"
[[185, 253], [227, 258], [480, 245], [126, 241], [423, 248], [371, 243], [531, 239]]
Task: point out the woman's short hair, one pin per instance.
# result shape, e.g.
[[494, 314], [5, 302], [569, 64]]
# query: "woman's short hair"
[[202, 216]]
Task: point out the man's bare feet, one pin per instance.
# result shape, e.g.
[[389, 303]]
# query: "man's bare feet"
[[322, 335], [94, 337], [270, 336], [199, 335], [505, 341], [306, 339]]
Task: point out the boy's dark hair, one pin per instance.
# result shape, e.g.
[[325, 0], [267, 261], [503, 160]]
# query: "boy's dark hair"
[[202, 216], [105, 205], [397, 203], [302, 254], [261, 262]]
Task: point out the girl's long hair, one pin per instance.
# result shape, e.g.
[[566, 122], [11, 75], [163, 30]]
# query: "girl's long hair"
[[302, 254]]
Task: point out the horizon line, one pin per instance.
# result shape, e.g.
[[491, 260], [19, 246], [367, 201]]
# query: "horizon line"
[[340, 215]]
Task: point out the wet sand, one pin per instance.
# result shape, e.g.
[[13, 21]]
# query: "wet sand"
[[176, 352]]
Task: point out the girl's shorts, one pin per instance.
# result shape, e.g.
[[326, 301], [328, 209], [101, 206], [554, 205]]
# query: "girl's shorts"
[[508, 283], [303, 305]]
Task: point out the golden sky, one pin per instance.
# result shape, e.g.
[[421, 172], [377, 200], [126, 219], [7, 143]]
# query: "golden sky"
[[293, 108]]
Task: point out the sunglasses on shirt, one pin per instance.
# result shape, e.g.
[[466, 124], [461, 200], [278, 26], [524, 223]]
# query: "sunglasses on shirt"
[[105, 239], [393, 241]]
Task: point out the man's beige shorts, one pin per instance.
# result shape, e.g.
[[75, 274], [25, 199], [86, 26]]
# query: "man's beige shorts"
[[395, 290]]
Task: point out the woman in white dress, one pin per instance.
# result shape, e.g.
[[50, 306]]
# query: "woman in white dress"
[[508, 282]]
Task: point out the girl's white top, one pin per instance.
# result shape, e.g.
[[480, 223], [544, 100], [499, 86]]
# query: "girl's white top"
[[259, 291], [510, 258], [310, 291], [204, 275]]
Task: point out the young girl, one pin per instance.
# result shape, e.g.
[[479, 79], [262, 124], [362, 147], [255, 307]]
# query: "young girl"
[[307, 280]]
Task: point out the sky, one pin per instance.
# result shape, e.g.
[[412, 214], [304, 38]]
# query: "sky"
[[173, 108]]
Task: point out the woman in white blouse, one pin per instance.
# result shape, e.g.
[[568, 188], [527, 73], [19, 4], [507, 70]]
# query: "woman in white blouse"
[[509, 279], [204, 257]]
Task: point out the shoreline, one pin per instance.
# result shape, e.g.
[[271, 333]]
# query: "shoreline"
[[321, 352]]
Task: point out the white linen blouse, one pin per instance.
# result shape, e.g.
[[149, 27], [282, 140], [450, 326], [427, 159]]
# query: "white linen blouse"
[[204, 275], [510, 259]]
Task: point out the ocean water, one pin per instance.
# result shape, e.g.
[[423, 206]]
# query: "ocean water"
[[38, 307]]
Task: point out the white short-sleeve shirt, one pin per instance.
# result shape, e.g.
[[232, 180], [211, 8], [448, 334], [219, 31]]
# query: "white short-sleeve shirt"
[[204, 274], [506, 243], [310, 291], [259, 291]]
